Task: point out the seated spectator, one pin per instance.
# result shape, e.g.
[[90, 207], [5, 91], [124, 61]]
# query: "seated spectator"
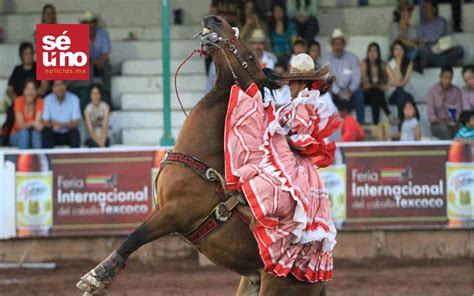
[[399, 70], [252, 22], [100, 49], [97, 119], [456, 12], [468, 89], [436, 52], [264, 9], [401, 30], [314, 51], [410, 129], [466, 132], [257, 43], [48, 16], [345, 67], [26, 70], [61, 117], [304, 12], [350, 130], [374, 81], [444, 105], [282, 32], [26, 132], [282, 95], [299, 46]]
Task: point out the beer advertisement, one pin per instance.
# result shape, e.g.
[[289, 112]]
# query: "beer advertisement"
[[110, 192], [83, 193]]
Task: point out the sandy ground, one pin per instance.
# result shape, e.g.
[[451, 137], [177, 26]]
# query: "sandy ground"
[[381, 277]]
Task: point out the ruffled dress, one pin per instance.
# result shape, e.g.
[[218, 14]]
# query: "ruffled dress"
[[272, 157]]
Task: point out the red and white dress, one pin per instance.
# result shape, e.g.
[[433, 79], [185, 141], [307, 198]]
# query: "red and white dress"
[[272, 157]]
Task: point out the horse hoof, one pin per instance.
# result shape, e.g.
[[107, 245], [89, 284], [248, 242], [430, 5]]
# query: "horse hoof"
[[90, 284], [96, 281]]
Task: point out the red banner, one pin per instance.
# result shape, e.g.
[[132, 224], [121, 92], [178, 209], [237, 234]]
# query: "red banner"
[[97, 192], [110, 191], [83, 193], [397, 185]]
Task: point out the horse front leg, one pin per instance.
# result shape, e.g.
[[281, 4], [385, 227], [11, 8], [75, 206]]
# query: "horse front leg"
[[158, 224]]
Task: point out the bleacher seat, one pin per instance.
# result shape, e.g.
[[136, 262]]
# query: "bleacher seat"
[[137, 66], [155, 67], [154, 100], [186, 83]]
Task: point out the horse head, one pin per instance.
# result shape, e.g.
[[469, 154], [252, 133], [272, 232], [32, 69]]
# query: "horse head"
[[232, 57]]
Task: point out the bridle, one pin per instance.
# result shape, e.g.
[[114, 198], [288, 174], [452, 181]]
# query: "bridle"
[[217, 43], [220, 43]]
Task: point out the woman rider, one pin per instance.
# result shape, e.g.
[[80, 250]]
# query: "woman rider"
[[272, 157]]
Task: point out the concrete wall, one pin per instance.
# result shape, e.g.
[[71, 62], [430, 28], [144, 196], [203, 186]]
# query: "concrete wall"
[[95, 249], [352, 245]]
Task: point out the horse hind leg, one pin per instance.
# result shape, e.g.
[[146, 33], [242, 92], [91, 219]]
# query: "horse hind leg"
[[158, 224]]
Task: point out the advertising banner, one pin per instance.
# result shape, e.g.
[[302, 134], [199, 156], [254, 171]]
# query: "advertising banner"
[[399, 185], [83, 193], [107, 191]]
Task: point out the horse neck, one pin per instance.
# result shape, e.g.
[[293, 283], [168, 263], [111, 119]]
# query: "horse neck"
[[202, 134]]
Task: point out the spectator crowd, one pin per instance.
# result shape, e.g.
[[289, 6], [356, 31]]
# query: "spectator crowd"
[[45, 114], [277, 30]]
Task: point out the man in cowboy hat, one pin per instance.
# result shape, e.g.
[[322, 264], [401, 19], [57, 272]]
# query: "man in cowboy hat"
[[345, 67], [257, 41], [100, 49]]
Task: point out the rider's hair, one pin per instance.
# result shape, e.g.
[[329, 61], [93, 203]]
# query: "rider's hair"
[[307, 83]]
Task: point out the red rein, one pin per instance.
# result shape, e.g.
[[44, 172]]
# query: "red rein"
[[201, 53]]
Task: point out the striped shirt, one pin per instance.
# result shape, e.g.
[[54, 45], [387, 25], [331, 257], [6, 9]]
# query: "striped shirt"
[[465, 133]]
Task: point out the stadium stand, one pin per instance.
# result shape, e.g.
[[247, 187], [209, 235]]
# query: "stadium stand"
[[136, 52]]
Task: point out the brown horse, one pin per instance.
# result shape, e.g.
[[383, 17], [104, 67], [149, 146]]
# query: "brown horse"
[[185, 199]]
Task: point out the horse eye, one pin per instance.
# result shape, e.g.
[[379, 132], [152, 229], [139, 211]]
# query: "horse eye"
[[250, 57]]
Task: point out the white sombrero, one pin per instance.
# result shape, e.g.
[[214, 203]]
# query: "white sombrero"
[[303, 68]]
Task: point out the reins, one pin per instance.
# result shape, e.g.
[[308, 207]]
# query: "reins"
[[220, 44], [176, 79]]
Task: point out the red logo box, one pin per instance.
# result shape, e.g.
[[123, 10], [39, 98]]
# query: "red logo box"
[[62, 52]]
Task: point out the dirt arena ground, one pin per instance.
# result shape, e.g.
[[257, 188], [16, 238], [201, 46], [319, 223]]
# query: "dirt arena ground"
[[381, 277]]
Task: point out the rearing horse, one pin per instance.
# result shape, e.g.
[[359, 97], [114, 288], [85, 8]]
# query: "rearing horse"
[[185, 198]]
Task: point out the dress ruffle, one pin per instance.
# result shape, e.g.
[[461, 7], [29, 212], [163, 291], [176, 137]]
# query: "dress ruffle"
[[299, 243]]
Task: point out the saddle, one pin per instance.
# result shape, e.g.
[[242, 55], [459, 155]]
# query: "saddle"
[[229, 200]]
